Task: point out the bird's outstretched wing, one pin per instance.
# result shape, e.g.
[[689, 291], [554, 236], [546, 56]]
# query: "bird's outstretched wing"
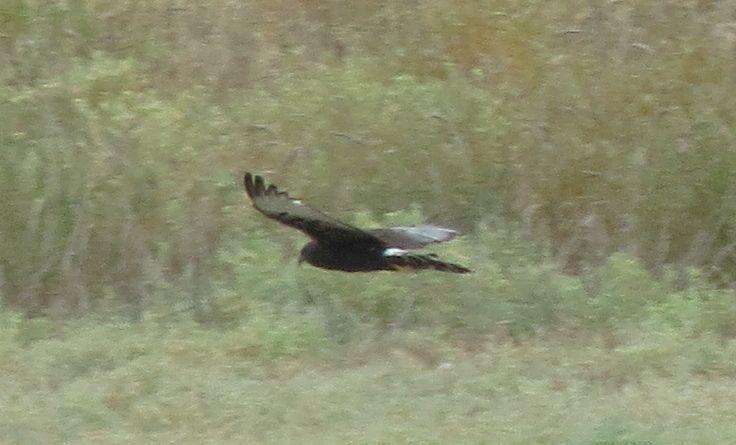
[[413, 237], [280, 206]]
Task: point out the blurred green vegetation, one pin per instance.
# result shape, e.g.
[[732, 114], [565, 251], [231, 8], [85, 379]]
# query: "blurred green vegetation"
[[585, 148], [517, 355]]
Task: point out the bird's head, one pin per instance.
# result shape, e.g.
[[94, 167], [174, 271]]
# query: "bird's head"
[[306, 253], [309, 253]]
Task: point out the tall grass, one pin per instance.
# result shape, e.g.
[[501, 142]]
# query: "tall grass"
[[125, 130]]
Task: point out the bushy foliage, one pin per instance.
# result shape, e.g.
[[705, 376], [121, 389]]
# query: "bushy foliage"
[[121, 151]]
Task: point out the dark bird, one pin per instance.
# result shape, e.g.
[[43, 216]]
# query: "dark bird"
[[339, 246]]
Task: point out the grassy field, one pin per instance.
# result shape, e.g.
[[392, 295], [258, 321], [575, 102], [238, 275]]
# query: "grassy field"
[[584, 149], [149, 383], [313, 364], [532, 392]]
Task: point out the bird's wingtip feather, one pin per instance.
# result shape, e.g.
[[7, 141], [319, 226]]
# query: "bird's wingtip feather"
[[248, 182], [259, 186]]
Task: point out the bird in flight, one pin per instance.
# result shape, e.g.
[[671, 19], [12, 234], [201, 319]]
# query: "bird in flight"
[[336, 245]]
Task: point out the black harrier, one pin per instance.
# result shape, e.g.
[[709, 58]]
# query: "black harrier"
[[339, 246]]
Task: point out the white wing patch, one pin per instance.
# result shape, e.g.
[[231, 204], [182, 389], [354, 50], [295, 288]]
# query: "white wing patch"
[[393, 251]]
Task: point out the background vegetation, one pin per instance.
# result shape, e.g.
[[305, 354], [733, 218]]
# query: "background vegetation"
[[586, 149]]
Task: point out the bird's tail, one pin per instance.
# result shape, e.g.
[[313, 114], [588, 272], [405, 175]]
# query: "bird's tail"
[[416, 261]]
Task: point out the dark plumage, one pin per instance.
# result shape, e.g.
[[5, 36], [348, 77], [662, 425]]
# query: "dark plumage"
[[339, 246]]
